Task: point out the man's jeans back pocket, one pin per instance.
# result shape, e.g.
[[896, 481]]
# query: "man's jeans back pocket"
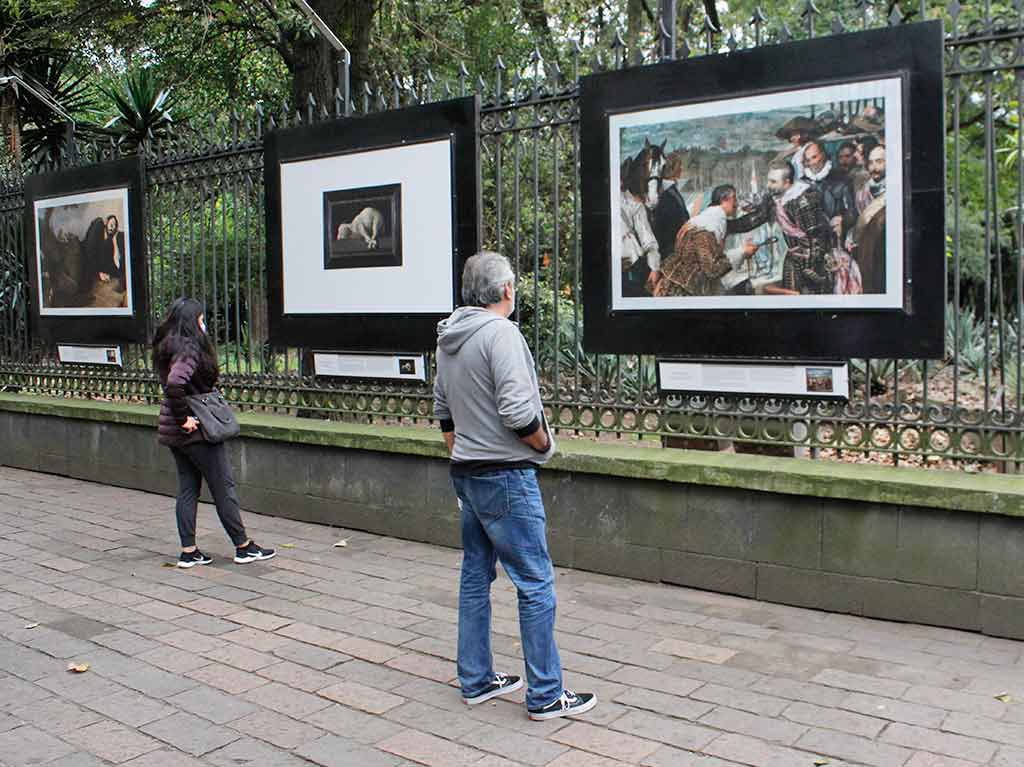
[[488, 495]]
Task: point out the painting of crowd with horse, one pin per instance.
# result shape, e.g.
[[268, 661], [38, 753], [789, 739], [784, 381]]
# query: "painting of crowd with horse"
[[766, 200]]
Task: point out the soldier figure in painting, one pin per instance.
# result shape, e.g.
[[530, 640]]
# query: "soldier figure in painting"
[[796, 207]]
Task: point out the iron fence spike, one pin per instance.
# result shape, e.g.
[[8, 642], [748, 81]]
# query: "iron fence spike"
[[896, 17]]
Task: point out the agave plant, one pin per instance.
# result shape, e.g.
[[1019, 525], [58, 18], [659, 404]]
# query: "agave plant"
[[143, 109], [45, 134]]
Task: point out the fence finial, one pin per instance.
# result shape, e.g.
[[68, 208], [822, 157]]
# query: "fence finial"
[[896, 17]]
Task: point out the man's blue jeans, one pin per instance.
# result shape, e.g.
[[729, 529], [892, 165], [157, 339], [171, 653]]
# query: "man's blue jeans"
[[503, 519]]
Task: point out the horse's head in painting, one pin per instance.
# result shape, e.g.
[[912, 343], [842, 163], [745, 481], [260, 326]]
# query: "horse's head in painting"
[[643, 173]]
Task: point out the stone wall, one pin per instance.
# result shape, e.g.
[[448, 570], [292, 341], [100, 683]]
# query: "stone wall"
[[881, 550]]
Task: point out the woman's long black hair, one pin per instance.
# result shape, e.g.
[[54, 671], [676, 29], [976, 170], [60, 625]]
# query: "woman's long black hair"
[[179, 334]]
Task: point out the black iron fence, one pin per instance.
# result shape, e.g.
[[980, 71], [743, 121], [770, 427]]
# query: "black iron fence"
[[206, 238]]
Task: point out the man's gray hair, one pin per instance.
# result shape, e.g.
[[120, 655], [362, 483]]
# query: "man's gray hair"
[[484, 278]]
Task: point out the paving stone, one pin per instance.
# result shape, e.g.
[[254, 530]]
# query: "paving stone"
[[921, 759], [833, 719], [667, 756], [894, 710], [861, 683], [23, 746], [423, 748], [668, 705], [191, 734], [277, 729], [745, 723], [131, 708], [574, 758], [210, 703], [334, 751], [751, 751], [163, 757], [227, 678], [345, 721], [248, 751], [112, 741], [290, 702], [946, 743], [615, 745], [362, 697], [525, 749], [453, 725], [855, 749], [741, 699]]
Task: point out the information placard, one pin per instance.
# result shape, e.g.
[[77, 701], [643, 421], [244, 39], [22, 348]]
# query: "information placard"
[[756, 378], [409, 367], [90, 355]]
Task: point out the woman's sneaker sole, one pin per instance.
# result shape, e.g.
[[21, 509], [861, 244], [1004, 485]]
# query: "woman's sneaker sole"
[[486, 696], [575, 710], [257, 558]]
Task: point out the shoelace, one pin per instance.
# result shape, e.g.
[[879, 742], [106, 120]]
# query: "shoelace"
[[501, 679], [568, 699]]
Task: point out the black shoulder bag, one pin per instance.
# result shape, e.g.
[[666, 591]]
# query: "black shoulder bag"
[[216, 418]]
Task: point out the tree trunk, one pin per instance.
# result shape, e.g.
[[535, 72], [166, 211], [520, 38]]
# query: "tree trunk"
[[537, 19], [314, 63], [634, 29], [10, 127]]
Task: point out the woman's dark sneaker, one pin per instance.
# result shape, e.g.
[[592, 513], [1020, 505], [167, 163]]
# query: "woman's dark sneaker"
[[569, 704], [252, 553], [500, 685], [193, 558]]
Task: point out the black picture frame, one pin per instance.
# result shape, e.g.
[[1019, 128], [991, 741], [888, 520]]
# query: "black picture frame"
[[911, 52], [455, 119], [123, 174], [341, 205]]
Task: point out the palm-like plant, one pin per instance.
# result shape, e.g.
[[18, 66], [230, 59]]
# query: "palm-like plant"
[[45, 133], [143, 109]]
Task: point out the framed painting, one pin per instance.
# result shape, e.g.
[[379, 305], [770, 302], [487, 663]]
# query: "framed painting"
[[369, 220], [87, 250], [771, 202]]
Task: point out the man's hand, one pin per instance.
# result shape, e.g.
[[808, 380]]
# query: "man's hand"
[[750, 248], [190, 425], [449, 440], [539, 440], [837, 226], [104, 277], [652, 280]]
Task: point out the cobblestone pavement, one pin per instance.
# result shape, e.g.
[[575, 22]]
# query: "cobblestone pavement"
[[343, 656]]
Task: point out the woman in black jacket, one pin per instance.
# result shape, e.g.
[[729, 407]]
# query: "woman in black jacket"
[[186, 363]]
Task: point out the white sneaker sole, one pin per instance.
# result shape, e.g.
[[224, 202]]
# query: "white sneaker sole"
[[247, 560], [187, 565], [486, 696], [565, 711]]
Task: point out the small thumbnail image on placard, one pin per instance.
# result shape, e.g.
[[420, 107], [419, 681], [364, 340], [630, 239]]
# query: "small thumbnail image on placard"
[[819, 380], [112, 356], [407, 367]]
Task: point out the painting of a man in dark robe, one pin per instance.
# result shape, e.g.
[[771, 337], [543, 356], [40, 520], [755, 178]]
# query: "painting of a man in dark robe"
[[84, 254]]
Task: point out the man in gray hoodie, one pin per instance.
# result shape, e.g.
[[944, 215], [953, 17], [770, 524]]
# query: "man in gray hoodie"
[[487, 399]]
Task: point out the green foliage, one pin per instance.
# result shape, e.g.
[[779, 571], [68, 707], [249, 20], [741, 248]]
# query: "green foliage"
[[143, 109]]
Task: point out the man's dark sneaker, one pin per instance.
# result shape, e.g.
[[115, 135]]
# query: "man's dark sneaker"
[[569, 704], [193, 558], [252, 553], [500, 685]]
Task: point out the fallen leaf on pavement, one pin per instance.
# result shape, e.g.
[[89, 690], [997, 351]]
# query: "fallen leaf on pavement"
[[32, 626], [342, 543], [821, 762], [287, 545], [78, 668], [167, 564], [1004, 697]]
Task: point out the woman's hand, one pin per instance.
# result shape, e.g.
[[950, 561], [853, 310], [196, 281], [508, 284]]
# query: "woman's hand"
[[190, 425]]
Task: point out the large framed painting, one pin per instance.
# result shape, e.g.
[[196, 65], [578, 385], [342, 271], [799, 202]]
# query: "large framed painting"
[[85, 231], [774, 202], [369, 220]]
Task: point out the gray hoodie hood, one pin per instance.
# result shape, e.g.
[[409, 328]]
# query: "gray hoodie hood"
[[461, 325]]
